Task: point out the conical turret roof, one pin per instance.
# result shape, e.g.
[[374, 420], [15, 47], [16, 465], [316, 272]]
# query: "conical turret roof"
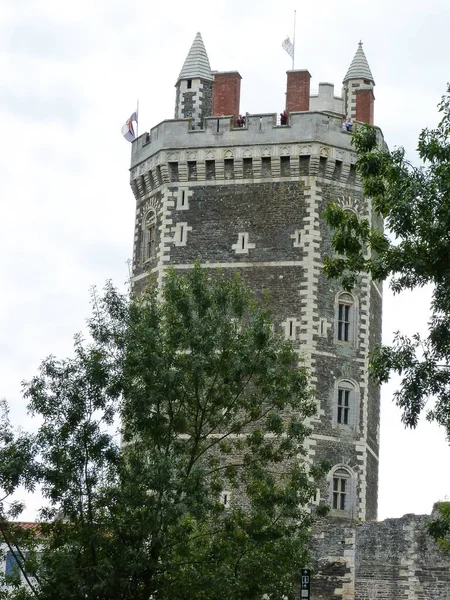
[[359, 68], [197, 62]]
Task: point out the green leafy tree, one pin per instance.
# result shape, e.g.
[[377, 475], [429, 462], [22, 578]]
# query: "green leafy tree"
[[206, 494], [415, 204], [439, 528]]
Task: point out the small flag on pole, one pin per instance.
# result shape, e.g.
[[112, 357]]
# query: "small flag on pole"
[[289, 47], [128, 129]]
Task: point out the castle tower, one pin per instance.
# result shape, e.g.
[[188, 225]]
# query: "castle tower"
[[358, 89], [250, 199], [194, 85]]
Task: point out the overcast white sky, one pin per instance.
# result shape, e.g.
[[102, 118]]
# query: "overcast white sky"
[[70, 73]]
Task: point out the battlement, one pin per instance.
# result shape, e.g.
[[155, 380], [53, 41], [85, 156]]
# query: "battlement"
[[260, 129], [311, 144]]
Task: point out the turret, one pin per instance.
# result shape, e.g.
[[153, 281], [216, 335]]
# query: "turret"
[[194, 86], [358, 89]]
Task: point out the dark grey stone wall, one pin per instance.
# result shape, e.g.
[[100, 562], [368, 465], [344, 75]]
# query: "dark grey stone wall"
[[207, 99], [270, 212], [332, 552], [389, 560], [196, 103], [188, 104]]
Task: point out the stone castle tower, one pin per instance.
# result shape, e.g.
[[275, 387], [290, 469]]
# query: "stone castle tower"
[[250, 198]]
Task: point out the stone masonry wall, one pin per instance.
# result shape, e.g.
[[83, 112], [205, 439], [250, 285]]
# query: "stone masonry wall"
[[389, 560], [270, 229], [194, 102]]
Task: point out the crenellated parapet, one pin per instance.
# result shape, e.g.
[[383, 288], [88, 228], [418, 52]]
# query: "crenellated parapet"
[[311, 144]]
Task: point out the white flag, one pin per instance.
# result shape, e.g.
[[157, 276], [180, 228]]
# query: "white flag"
[[289, 47], [128, 129]]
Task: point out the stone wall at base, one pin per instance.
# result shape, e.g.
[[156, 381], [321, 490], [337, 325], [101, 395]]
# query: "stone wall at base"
[[393, 559]]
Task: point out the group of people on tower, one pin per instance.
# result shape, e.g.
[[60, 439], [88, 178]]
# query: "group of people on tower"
[[347, 125]]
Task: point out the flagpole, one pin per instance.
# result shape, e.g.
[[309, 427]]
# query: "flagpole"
[[293, 53], [137, 114]]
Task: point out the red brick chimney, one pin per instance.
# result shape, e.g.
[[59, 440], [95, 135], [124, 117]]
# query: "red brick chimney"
[[364, 106], [298, 89], [226, 93]]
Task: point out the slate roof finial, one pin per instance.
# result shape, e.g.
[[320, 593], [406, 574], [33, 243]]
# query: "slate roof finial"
[[196, 64], [359, 67]]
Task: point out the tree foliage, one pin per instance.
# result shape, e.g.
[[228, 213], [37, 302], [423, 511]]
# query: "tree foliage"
[[206, 494], [439, 528], [415, 204]]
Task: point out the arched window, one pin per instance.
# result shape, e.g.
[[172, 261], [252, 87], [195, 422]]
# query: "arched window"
[[346, 318], [340, 499], [345, 304], [150, 235], [343, 491], [346, 404], [343, 402]]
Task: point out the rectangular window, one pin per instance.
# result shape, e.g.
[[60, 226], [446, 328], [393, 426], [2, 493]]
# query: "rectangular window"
[[304, 165], [322, 327], [229, 168], [226, 499], [210, 168], [344, 322], [322, 166], [12, 568], [151, 244], [285, 166], [173, 172], [159, 175], [192, 170], [337, 170], [247, 166], [266, 169], [343, 406], [151, 180], [339, 493]]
